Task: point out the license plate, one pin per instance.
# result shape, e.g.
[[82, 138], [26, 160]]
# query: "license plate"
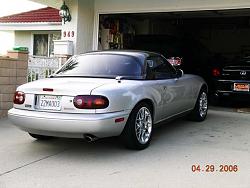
[[241, 87], [50, 102]]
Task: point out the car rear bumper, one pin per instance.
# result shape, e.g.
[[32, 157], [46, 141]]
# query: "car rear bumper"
[[68, 125], [226, 88]]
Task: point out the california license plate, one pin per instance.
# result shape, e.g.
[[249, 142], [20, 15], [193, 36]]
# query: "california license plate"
[[50, 102], [241, 87]]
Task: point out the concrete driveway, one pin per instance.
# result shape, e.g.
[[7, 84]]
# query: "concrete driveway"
[[223, 139]]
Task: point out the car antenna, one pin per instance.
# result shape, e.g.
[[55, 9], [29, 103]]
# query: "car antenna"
[[118, 78]]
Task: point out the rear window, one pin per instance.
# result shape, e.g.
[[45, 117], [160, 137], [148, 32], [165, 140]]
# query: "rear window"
[[102, 65]]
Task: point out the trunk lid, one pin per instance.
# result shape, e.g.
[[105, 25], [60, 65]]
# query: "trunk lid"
[[64, 86], [60, 100], [236, 72]]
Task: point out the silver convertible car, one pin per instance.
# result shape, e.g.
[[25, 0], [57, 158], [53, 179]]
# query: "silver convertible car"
[[109, 93]]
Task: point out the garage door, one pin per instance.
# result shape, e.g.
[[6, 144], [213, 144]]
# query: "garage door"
[[132, 6]]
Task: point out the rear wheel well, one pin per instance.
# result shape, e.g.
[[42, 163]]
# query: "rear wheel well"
[[150, 103], [135, 125], [204, 86]]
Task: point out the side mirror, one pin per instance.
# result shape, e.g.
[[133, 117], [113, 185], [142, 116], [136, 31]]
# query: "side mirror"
[[179, 73]]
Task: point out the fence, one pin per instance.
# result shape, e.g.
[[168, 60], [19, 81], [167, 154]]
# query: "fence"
[[13, 72], [42, 67]]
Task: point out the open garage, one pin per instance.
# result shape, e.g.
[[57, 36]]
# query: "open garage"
[[198, 34], [202, 37], [196, 41]]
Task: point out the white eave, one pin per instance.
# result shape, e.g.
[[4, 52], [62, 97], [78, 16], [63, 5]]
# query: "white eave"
[[26, 26]]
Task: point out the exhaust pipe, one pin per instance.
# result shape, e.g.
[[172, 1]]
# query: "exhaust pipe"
[[90, 138]]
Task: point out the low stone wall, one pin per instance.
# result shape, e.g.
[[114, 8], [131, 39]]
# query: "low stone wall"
[[13, 72]]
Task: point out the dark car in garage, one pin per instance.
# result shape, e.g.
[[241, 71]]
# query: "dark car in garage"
[[231, 80]]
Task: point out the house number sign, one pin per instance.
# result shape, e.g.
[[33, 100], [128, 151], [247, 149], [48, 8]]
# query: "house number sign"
[[68, 34]]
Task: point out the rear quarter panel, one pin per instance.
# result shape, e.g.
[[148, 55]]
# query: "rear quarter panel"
[[125, 95], [194, 84], [128, 93]]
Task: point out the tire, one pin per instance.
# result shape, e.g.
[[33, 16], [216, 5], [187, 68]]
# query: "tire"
[[137, 133], [199, 112], [40, 137]]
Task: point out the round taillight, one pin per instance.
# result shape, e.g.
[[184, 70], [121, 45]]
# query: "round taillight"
[[216, 72], [91, 102], [19, 97]]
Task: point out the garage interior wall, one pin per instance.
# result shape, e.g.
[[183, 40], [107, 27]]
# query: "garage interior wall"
[[230, 42]]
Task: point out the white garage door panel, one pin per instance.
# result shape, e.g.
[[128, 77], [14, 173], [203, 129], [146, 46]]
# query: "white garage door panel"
[[119, 6]]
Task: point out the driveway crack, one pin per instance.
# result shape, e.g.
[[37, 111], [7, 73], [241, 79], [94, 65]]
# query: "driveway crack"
[[33, 162]]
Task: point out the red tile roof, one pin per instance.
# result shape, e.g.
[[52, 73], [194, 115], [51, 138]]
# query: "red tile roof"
[[47, 14]]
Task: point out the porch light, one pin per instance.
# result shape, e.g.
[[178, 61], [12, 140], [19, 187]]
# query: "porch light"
[[64, 13]]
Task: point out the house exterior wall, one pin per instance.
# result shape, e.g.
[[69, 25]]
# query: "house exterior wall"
[[40, 26], [82, 23], [86, 25], [7, 39], [72, 26], [85, 14], [166, 5], [23, 38]]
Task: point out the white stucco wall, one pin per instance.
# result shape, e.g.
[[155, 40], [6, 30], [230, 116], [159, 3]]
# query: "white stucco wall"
[[85, 25], [82, 23], [23, 38], [72, 25], [41, 26], [118, 6], [7, 39], [154, 5]]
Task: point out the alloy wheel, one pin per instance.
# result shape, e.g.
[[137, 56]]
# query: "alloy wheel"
[[203, 104], [143, 125]]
